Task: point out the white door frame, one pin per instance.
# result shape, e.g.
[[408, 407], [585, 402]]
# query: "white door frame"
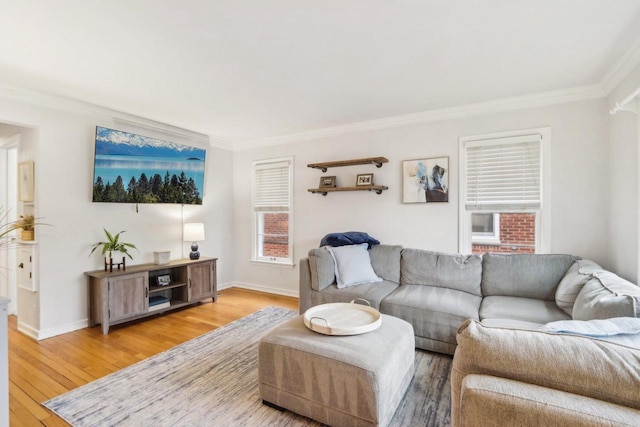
[[9, 200]]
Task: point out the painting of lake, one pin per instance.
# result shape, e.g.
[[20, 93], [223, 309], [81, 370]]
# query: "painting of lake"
[[132, 168]]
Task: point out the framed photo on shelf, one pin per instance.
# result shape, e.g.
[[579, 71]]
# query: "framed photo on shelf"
[[25, 181], [425, 180], [364, 179], [164, 280], [327, 181]]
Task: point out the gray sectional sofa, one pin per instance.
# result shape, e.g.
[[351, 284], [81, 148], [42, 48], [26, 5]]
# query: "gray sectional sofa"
[[437, 292]]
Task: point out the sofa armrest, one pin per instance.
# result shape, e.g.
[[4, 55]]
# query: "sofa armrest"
[[487, 400], [304, 295], [573, 364]]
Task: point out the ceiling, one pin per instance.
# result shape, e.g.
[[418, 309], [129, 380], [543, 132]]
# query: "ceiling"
[[242, 71]]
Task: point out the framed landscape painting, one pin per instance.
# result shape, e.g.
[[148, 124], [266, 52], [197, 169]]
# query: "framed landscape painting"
[[132, 168], [425, 180]]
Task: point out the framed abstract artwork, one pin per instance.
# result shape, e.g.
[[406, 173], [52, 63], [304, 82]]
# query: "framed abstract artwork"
[[425, 180]]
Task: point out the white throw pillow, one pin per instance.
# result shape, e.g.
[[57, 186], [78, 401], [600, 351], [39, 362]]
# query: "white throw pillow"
[[353, 265]]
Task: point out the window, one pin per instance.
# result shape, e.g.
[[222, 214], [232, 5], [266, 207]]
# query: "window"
[[504, 197], [272, 211], [485, 228]]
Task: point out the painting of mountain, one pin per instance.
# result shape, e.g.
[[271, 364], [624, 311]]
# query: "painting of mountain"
[[132, 168]]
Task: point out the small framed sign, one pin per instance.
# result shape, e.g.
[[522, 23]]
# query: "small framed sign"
[[25, 181], [327, 181], [164, 280], [364, 179]]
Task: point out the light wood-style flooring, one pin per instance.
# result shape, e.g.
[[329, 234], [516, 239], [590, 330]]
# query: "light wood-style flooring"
[[40, 370]]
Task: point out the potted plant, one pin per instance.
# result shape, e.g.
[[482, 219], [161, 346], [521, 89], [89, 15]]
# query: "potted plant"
[[6, 228], [113, 244], [27, 223]]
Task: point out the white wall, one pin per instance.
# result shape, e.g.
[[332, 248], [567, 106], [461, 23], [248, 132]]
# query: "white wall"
[[64, 175], [624, 191], [580, 187], [582, 221]]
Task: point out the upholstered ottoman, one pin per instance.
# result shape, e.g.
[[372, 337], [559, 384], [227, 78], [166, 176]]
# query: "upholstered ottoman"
[[355, 380]]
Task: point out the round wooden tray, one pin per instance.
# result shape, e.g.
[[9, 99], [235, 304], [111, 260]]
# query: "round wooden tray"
[[342, 318]]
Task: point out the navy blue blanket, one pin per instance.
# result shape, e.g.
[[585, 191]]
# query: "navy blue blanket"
[[348, 238]]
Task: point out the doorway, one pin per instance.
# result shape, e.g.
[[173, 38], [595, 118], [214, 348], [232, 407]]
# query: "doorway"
[[9, 204]]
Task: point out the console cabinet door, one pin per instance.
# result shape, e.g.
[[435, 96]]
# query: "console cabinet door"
[[200, 281], [128, 296]]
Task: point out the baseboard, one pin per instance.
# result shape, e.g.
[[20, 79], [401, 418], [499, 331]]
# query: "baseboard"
[[38, 334], [261, 288], [27, 330]]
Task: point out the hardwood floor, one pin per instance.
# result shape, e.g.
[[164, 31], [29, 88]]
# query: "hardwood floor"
[[40, 370]]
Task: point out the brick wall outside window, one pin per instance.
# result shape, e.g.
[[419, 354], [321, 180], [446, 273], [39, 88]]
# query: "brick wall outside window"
[[517, 234], [276, 230]]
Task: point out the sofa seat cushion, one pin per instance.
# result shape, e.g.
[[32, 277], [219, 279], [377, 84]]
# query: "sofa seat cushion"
[[372, 292], [606, 296], [434, 312], [511, 323], [524, 275], [522, 309]]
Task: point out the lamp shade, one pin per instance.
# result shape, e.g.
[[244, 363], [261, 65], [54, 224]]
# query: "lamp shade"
[[194, 232]]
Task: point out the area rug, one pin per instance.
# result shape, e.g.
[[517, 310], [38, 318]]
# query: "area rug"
[[213, 380]]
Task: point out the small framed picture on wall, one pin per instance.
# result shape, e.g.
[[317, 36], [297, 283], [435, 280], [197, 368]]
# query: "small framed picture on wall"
[[364, 179], [327, 181], [25, 181]]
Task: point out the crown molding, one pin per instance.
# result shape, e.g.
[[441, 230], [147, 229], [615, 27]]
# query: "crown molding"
[[622, 68], [469, 110], [71, 105]]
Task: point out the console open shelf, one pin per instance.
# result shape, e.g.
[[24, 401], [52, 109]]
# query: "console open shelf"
[[124, 295]]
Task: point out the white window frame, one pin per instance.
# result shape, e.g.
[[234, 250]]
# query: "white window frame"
[[488, 238], [258, 215], [543, 214]]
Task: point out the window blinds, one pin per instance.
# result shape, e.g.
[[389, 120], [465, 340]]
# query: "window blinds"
[[504, 174], [272, 187]]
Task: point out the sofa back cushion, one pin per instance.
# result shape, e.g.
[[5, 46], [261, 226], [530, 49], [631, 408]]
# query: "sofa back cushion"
[[323, 268], [385, 260], [605, 296], [523, 275], [573, 364], [454, 271], [579, 273]]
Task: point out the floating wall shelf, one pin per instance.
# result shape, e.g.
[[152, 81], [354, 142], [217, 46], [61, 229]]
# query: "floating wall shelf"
[[378, 161], [377, 188]]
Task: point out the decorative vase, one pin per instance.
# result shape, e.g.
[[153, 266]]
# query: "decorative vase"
[[27, 234]]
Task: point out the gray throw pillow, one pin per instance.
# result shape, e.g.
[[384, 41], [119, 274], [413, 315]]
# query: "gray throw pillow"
[[580, 272], [606, 296]]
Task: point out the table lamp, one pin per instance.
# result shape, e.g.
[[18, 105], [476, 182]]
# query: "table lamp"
[[194, 232]]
